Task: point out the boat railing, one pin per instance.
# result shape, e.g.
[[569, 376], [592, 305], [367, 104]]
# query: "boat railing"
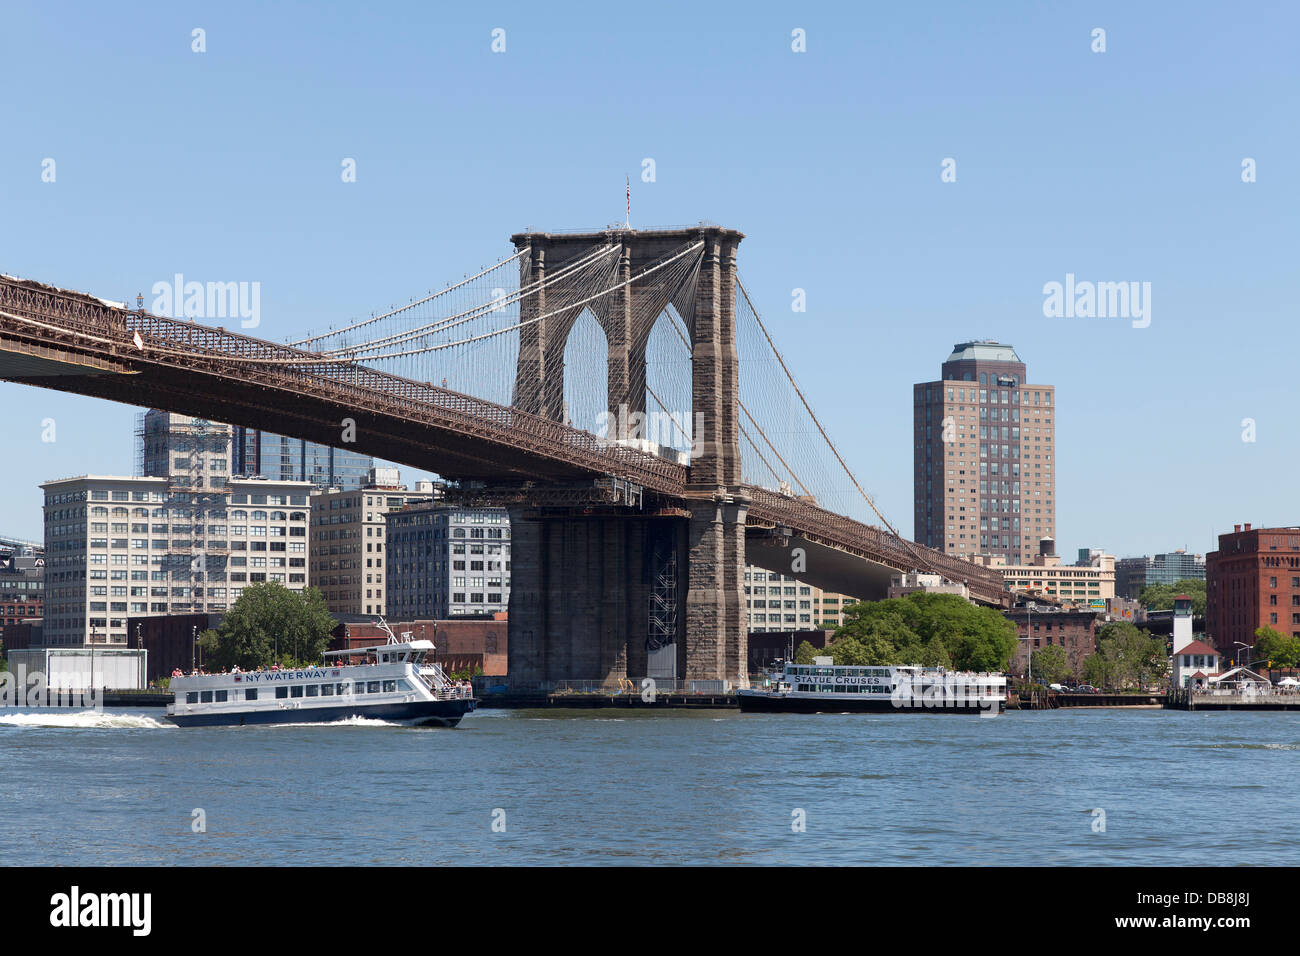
[[433, 677]]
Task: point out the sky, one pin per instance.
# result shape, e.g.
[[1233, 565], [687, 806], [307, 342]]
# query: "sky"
[[1122, 165]]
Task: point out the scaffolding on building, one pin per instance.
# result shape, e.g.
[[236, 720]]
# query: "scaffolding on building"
[[193, 454]]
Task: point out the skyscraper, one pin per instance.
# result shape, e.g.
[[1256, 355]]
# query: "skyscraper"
[[279, 458], [984, 482]]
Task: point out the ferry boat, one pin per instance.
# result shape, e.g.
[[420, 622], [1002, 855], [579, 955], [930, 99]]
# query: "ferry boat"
[[824, 687], [394, 682]]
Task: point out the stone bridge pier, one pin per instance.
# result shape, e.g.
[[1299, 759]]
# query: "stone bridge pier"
[[601, 594]]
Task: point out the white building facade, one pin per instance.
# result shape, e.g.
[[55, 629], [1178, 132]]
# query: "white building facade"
[[348, 537], [119, 546]]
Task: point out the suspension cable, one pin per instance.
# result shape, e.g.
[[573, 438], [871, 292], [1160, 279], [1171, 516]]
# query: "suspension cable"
[[921, 562], [409, 305]]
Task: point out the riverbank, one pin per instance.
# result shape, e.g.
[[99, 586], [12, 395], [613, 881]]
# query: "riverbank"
[[575, 700]]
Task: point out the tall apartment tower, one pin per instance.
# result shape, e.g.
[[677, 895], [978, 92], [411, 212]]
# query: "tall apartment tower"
[[984, 477]]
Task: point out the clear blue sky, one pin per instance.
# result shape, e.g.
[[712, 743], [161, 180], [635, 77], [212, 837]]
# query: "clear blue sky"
[[1124, 165]]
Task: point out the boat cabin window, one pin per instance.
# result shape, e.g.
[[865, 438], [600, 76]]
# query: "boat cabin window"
[[281, 693], [359, 687], [295, 691], [313, 690], [222, 696], [341, 689], [250, 693], [205, 696], [327, 690], [372, 687], [192, 697], [390, 686]]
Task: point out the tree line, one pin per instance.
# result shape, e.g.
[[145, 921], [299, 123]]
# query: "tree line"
[[945, 630]]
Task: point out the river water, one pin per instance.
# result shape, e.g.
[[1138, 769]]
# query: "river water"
[[612, 787]]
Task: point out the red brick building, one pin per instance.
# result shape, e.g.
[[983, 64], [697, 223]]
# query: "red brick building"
[[1252, 581], [1075, 632], [463, 644], [22, 582], [169, 640]]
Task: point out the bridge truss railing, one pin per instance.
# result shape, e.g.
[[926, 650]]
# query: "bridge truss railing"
[[94, 325], [45, 316], [835, 530]]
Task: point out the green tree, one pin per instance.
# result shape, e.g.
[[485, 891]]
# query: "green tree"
[[929, 629], [1160, 597], [805, 653], [1096, 671], [269, 623], [1275, 649], [1126, 657], [1050, 664]]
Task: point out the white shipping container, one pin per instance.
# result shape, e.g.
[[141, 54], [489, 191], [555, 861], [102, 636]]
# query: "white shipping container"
[[79, 668]]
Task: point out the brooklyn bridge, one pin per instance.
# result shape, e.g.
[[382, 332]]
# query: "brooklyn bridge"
[[616, 390]]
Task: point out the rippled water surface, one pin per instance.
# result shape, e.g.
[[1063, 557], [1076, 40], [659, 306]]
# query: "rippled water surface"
[[608, 787]]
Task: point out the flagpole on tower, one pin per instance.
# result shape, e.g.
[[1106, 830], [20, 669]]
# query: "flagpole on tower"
[[628, 221]]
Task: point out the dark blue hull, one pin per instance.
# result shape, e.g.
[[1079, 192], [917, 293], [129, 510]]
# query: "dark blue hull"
[[436, 713]]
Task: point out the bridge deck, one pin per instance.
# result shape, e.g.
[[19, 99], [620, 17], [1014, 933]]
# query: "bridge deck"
[[73, 342]]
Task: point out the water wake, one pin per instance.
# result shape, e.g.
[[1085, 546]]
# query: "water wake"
[[81, 720], [353, 721]]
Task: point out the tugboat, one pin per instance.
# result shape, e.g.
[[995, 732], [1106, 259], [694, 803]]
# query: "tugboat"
[[823, 687], [393, 682]]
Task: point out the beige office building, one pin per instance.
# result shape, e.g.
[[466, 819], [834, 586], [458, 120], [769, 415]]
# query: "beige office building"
[[1090, 582], [348, 553], [984, 456], [118, 547]]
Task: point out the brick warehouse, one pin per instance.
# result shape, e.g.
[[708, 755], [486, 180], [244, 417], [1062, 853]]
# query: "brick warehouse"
[[1252, 581], [1073, 631]]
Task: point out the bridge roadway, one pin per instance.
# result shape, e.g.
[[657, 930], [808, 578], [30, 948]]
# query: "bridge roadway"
[[73, 342]]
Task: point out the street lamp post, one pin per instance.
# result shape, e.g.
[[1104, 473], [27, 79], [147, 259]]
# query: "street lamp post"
[[1029, 636], [1240, 644]]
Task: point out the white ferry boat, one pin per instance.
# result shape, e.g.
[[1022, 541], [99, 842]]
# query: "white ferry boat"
[[823, 687], [394, 682]]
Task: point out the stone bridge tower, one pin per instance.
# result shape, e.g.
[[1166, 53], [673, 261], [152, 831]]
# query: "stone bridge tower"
[[603, 596]]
